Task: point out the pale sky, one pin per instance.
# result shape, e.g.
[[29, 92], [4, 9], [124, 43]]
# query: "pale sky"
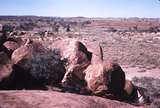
[[86, 8]]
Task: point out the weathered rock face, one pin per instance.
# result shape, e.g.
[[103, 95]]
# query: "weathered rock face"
[[48, 99], [22, 53], [74, 51], [96, 50], [68, 64], [11, 46], [95, 75], [105, 79], [77, 59], [16, 77], [40, 66]]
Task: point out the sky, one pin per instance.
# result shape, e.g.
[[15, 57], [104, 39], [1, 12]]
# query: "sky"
[[86, 8]]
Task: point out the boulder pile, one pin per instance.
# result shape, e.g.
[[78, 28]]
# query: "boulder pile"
[[71, 65]]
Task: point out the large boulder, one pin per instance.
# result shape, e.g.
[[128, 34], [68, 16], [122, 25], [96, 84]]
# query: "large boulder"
[[93, 75], [22, 53], [72, 65], [77, 58], [39, 64], [50, 99], [72, 50], [15, 76], [95, 49], [11, 46], [103, 78]]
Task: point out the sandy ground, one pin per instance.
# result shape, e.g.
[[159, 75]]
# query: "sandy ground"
[[132, 72]]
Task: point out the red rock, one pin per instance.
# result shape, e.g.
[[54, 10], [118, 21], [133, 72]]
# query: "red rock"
[[98, 75], [22, 53], [11, 45], [48, 99], [77, 57], [85, 68]]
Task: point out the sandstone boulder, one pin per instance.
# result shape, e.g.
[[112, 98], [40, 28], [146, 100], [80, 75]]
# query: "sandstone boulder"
[[22, 53], [11, 46], [101, 78], [40, 65], [48, 99], [70, 64], [77, 58], [105, 79]]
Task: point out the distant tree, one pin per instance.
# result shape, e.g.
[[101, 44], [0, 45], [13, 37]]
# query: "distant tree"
[[27, 26], [154, 29], [112, 29], [7, 28], [68, 28]]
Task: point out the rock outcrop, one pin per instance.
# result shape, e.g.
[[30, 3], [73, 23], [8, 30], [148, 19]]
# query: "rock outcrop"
[[11, 46], [50, 99], [72, 65], [92, 74]]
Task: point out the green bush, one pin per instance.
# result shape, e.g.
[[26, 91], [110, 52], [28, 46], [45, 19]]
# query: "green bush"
[[47, 67]]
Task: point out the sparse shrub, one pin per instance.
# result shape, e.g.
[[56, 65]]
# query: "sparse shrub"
[[68, 28], [133, 29], [86, 22], [26, 26], [7, 28], [155, 103], [154, 29], [47, 67], [111, 29], [55, 27], [152, 86]]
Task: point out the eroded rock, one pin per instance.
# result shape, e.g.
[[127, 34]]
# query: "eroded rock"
[[11, 46], [48, 99], [72, 65], [24, 52]]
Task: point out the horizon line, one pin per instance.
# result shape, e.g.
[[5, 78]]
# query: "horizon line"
[[77, 16]]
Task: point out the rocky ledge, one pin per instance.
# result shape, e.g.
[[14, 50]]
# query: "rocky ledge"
[[52, 99]]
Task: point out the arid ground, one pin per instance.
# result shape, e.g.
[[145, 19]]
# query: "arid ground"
[[134, 43]]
